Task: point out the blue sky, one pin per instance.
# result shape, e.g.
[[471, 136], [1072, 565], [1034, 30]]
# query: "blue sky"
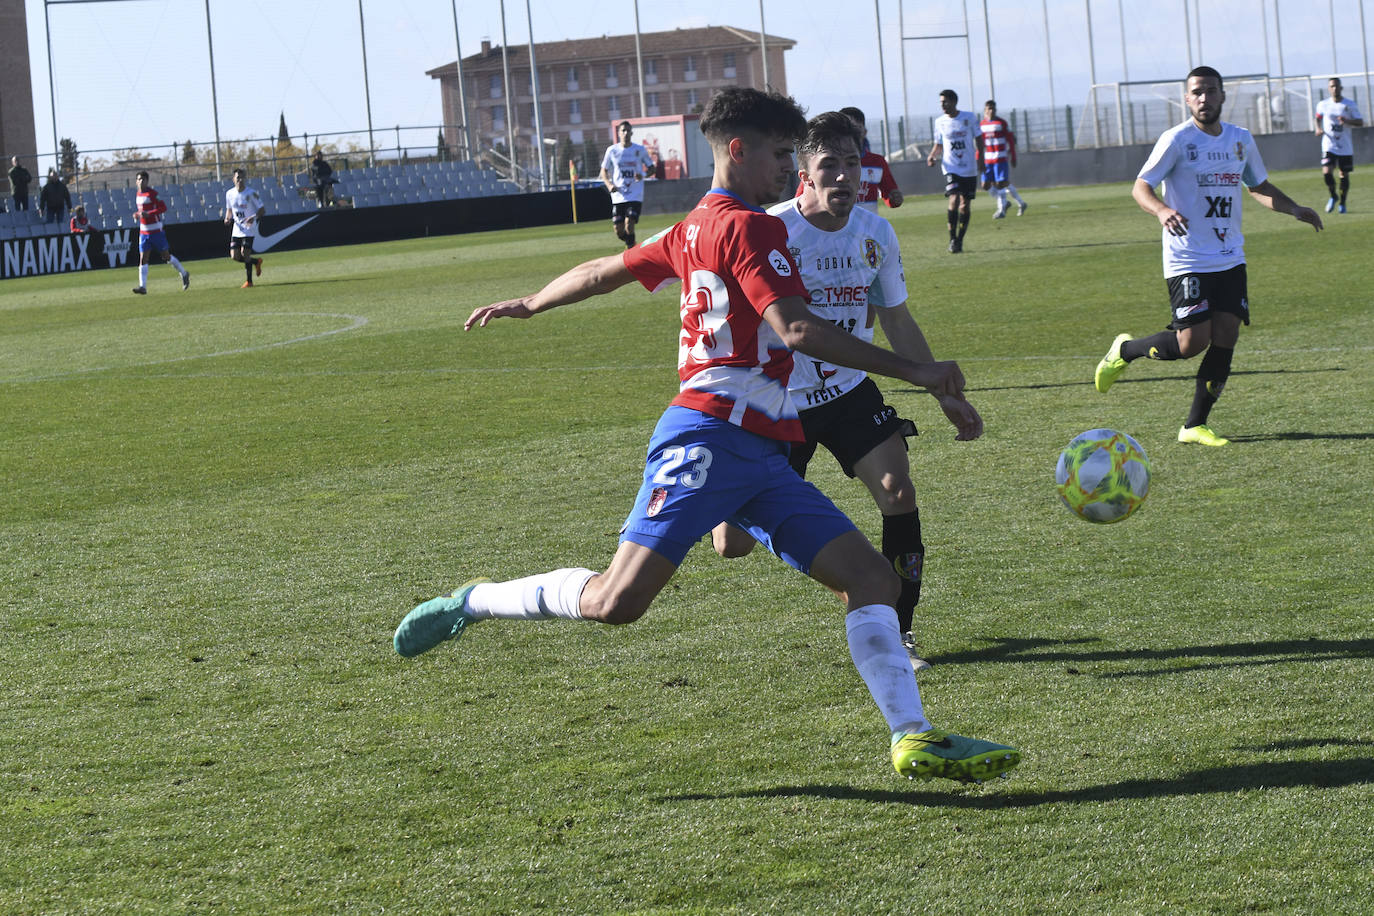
[[136, 72]]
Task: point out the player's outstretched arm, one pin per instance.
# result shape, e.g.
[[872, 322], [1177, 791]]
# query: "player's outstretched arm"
[[905, 337], [1270, 196], [590, 278], [801, 330]]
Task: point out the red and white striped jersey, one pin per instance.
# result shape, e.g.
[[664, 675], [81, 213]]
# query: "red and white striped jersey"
[[998, 141], [733, 262], [150, 210]]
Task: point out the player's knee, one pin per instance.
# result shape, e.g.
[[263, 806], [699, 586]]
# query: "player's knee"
[[896, 496], [731, 543], [615, 607]]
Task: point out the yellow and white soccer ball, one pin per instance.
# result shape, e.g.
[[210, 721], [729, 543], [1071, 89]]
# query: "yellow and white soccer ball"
[[1103, 475]]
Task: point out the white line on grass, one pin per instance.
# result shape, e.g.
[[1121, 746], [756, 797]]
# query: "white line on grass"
[[358, 321]]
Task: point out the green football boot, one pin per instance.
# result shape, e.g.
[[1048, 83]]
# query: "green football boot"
[[1111, 366], [436, 620], [1200, 435], [928, 754]]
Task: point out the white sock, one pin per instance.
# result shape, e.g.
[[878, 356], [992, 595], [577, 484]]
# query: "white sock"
[[1001, 198], [143, 276], [1011, 189], [550, 594], [876, 647], [177, 264]]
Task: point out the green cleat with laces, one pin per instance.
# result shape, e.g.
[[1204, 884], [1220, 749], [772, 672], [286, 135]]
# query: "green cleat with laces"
[[932, 753], [436, 620]]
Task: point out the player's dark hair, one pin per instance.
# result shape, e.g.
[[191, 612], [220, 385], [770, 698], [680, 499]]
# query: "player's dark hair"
[[241, 172], [828, 131], [853, 112], [624, 124], [950, 94], [1205, 72], [990, 103], [142, 174], [739, 109]]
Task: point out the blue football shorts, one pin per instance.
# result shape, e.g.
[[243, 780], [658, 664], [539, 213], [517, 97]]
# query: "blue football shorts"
[[996, 172], [701, 471], [153, 241]]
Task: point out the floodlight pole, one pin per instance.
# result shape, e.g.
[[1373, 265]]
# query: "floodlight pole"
[[214, 95], [462, 96], [1092, 70], [882, 76], [987, 40], [763, 46], [1049, 68], [639, 67], [1364, 44], [52, 95], [367, 92], [534, 91]]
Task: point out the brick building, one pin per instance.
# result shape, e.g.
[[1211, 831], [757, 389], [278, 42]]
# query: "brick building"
[[588, 84], [17, 134]]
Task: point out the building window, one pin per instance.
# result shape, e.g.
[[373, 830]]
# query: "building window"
[[612, 77], [495, 84], [728, 63], [689, 68], [575, 136], [650, 72], [613, 106], [574, 111], [693, 99], [498, 118], [651, 99], [573, 84]]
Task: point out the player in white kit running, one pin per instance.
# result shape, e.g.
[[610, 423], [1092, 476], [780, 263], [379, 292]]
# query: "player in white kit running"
[[1203, 163], [852, 267]]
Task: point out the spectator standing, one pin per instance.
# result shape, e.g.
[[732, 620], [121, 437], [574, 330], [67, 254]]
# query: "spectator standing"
[[54, 200], [322, 176], [19, 184]]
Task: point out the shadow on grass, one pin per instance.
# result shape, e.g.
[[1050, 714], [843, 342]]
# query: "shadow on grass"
[[1270, 652], [1283, 774], [1155, 380]]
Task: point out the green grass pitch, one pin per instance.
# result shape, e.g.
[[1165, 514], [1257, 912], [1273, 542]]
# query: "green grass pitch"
[[218, 504]]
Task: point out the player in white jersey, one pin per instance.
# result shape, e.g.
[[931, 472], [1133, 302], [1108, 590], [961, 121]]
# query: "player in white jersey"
[[623, 170], [1203, 164], [956, 149], [1334, 116], [852, 267], [243, 208]]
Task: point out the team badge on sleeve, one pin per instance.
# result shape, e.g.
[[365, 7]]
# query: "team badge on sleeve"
[[872, 253], [780, 263]]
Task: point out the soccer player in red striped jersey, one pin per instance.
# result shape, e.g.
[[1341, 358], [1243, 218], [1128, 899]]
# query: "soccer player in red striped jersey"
[[151, 236], [997, 154], [719, 452]]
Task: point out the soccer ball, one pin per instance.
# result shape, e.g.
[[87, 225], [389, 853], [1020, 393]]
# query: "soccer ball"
[[1103, 475]]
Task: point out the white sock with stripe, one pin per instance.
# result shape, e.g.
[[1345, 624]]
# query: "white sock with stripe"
[[541, 597]]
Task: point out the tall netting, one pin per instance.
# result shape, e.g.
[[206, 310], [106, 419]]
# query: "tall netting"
[[1137, 112]]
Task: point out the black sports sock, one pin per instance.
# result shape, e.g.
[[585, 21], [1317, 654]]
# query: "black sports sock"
[[629, 240], [1345, 187], [1163, 345], [952, 217], [1330, 180], [248, 268], [963, 224], [1211, 379], [903, 548]]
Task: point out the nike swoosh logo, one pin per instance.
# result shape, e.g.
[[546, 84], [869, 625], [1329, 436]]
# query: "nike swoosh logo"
[[264, 242]]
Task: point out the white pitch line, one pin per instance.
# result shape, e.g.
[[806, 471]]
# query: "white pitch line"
[[358, 321]]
